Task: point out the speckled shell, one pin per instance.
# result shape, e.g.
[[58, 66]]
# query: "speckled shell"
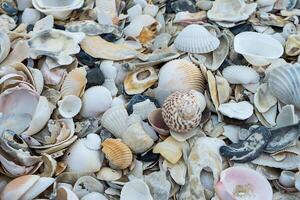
[[181, 75], [182, 110], [196, 39], [118, 153]]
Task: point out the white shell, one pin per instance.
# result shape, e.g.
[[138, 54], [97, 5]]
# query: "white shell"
[[297, 181], [108, 69], [196, 39], [263, 99], [30, 16], [287, 179], [93, 141], [95, 100], [38, 187], [240, 74], [115, 120], [136, 25], [87, 184], [94, 196], [109, 174], [287, 116], [69, 106], [151, 10], [135, 190], [258, 49], [65, 193], [4, 45], [284, 83], [134, 12], [241, 110], [22, 4], [143, 109]]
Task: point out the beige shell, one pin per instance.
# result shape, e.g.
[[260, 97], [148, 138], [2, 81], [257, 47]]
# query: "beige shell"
[[118, 153], [182, 110], [292, 45], [138, 81], [179, 75], [74, 83]]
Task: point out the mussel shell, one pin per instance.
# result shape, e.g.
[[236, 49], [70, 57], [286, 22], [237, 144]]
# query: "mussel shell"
[[137, 99], [248, 149], [94, 77]]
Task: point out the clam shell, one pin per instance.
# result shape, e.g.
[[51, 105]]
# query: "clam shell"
[[115, 120], [196, 39], [69, 106], [241, 110], [118, 153], [284, 83], [182, 110], [64, 193], [108, 174], [4, 45], [156, 120], [178, 75], [135, 190], [223, 88], [240, 74], [263, 99], [170, 149]]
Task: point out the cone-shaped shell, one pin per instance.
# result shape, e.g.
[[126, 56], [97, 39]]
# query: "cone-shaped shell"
[[182, 110], [284, 83], [240, 74], [118, 153], [74, 83], [196, 39], [179, 75]]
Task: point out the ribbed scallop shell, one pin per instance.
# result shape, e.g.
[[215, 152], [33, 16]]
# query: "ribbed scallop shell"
[[74, 83], [182, 110], [284, 83], [181, 75], [196, 39], [118, 153], [240, 74]]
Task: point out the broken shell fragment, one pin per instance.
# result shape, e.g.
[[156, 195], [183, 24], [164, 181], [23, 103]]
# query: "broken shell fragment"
[[292, 45], [69, 106], [4, 45], [170, 149], [108, 174], [134, 190], [241, 110], [263, 99], [156, 120], [239, 74]]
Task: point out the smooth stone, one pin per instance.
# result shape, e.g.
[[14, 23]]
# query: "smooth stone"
[[159, 185], [30, 16]]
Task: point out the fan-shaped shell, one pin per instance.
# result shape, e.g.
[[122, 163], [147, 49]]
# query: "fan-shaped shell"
[[178, 75], [240, 74], [284, 83], [4, 45], [118, 153], [196, 39], [182, 110]]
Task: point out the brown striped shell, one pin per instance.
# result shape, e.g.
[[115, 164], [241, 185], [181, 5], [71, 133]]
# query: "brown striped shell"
[[118, 153], [182, 111]]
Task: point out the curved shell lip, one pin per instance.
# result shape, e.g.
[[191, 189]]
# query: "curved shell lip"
[[5, 45]]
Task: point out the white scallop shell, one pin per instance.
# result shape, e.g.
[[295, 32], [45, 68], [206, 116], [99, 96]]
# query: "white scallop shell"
[[93, 141], [284, 83], [4, 45], [258, 49], [196, 39], [69, 106], [241, 110], [137, 24], [240, 74], [135, 190], [115, 120]]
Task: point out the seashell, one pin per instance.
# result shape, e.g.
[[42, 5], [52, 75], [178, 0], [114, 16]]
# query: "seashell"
[[87, 184], [180, 75], [38, 79], [17, 123], [223, 88], [137, 138], [22, 4], [108, 69], [56, 8], [118, 153], [84, 155], [249, 184], [30, 16], [40, 117], [108, 174], [292, 45], [258, 49], [283, 83], [263, 99], [138, 81], [287, 116], [196, 39], [158, 184], [95, 100], [204, 4], [241, 110], [240, 74], [170, 149], [143, 109], [69, 106], [182, 110], [97, 47], [156, 120], [134, 12], [94, 77], [212, 86], [151, 9], [290, 162], [4, 45], [94, 195], [248, 149], [285, 4], [64, 193], [115, 120], [74, 83], [177, 171], [187, 17], [287, 179], [137, 24], [134, 190]]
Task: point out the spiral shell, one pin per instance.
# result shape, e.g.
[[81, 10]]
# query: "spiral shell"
[[182, 110], [118, 153]]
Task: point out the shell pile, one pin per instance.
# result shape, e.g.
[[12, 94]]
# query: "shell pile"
[[149, 99]]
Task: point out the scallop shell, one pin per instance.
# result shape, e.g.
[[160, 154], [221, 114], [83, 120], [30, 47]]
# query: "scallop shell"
[[182, 110], [178, 75], [240, 74], [258, 49], [115, 120], [284, 83], [118, 153], [196, 39], [4, 45], [74, 83], [135, 190], [69, 106], [138, 81]]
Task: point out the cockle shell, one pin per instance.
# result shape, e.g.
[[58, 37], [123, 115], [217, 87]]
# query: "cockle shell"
[[243, 183], [284, 84], [95, 100], [118, 153], [258, 49], [196, 39], [138, 81], [170, 149], [178, 75], [240, 74], [292, 45], [241, 110], [74, 83], [182, 110], [4, 45], [135, 190], [69, 106]]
